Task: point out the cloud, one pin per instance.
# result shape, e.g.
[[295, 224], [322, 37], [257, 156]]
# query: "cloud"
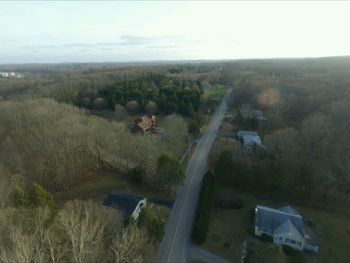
[[122, 41]]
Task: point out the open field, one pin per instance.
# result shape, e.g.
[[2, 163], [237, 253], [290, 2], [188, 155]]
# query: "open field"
[[216, 92], [101, 184], [231, 226]]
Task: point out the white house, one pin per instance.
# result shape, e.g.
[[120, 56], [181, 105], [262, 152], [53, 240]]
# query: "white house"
[[10, 75], [285, 225], [4, 74], [128, 204]]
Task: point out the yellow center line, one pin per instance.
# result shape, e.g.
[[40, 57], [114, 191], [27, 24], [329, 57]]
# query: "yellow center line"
[[183, 207], [200, 155]]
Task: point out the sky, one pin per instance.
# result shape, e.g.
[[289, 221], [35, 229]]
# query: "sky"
[[50, 32]]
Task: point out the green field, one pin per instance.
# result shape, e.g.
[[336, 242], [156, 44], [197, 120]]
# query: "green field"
[[216, 92]]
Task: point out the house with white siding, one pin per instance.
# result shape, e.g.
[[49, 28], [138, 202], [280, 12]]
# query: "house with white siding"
[[285, 225], [128, 205]]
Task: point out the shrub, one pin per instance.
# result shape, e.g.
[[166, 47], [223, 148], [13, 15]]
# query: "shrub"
[[37, 197], [99, 103], [21, 197], [132, 106], [202, 219], [288, 251], [154, 226], [266, 237], [169, 172], [137, 174], [120, 109], [40, 198], [194, 127], [151, 107]]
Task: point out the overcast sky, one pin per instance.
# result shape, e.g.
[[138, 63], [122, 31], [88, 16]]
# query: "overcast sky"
[[138, 31]]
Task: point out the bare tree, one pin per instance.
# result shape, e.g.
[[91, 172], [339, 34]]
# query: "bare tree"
[[6, 187], [57, 248], [85, 224], [128, 246], [24, 238], [175, 133]]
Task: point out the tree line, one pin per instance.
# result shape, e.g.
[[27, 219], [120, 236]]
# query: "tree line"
[[170, 95]]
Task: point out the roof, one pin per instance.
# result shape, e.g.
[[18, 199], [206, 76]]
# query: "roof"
[[288, 209], [246, 133], [122, 201], [272, 219], [145, 122], [249, 138], [288, 227]]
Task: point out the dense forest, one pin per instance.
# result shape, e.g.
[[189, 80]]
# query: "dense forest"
[[50, 142], [306, 103], [168, 95]]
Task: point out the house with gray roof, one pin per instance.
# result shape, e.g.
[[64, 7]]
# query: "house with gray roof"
[[129, 205], [285, 225], [249, 139]]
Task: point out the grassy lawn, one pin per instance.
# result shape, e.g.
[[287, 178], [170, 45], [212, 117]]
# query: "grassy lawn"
[[216, 92], [268, 253], [334, 231], [98, 186], [230, 226], [226, 129]]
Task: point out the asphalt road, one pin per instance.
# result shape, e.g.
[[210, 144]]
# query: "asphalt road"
[[176, 242]]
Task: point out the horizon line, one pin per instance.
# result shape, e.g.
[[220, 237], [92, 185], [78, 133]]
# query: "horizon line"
[[172, 60]]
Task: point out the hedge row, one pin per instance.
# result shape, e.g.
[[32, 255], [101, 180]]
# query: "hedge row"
[[201, 223]]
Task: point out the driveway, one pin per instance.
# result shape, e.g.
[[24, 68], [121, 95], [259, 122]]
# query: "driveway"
[[199, 254]]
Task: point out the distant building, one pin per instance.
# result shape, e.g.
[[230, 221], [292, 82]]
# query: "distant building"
[[145, 124], [249, 139], [10, 75], [285, 225], [4, 74], [128, 204], [252, 114]]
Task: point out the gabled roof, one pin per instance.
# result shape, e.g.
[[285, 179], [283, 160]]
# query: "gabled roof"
[[288, 228], [249, 138], [144, 123], [288, 209], [270, 218], [122, 201], [247, 133]]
